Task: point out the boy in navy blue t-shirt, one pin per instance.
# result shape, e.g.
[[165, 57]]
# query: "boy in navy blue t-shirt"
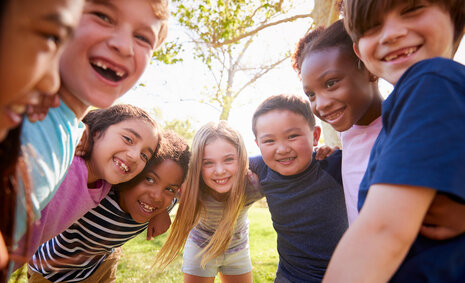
[[407, 169], [304, 195]]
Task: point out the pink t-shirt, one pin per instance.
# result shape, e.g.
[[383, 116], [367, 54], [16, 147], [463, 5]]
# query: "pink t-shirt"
[[357, 143], [72, 200]]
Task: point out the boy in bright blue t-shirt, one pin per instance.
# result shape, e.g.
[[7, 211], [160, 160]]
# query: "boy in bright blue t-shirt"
[[407, 168]]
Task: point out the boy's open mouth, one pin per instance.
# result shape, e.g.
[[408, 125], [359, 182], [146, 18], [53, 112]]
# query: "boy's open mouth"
[[111, 73], [401, 53]]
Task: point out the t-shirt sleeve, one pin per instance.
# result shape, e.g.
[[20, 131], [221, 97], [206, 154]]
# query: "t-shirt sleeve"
[[48, 148], [425, 135]]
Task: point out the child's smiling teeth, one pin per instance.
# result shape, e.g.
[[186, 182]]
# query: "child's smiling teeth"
[[18, 108], [221, 181], [146, 207], [286, 159], [121, 165], [112, 72], [406, 52], [333, 116]]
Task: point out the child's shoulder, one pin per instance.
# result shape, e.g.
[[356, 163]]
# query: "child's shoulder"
[[332, 165], [438, 67]]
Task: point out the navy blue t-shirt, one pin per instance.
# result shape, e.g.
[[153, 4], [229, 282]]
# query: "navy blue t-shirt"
[[422, 143], [308, 213]]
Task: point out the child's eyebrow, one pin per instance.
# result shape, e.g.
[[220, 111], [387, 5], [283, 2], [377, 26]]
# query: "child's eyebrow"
[[330, 72]]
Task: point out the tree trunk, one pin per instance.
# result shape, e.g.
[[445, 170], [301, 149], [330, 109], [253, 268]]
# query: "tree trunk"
[[324, 13]]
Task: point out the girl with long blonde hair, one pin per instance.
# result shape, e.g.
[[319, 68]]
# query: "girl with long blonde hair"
[[211, 221]]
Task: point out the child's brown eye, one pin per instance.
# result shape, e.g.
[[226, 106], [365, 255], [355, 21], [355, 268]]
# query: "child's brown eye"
[[331, 83]]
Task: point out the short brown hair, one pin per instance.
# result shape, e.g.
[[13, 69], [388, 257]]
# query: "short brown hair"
[[293, 103], [361, 15]]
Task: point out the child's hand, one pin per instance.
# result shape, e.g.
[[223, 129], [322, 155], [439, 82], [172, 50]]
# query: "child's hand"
[[84, 144], [158, 225], [324, 151], [444, 219], [37, 112], [253, 178]]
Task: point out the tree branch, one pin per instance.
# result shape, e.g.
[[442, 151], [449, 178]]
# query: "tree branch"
[[261, 73], [229, 41]]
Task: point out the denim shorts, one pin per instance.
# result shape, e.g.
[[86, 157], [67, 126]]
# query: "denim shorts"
[[228, 264]]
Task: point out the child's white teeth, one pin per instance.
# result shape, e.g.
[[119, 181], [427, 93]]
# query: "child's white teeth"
[[222, 181], [407, 52], [121, 165], [101, 65], [146, 206], [18, 108], [120, 74]]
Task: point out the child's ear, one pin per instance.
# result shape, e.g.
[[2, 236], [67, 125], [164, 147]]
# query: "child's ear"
[[356, 51], [316, 135]]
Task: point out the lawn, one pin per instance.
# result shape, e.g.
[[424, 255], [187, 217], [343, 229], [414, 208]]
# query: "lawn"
[[138, 254]]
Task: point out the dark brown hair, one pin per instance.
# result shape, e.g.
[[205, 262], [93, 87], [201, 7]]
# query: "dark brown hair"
[[322, 38], [99, 120], [361, 15], [293, 103]]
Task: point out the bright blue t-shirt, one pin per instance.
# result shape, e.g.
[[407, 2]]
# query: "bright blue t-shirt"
[[48, 149], [422, 143]]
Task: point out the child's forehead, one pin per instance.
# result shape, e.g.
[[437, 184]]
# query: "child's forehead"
[[287, 117], [362, 15]]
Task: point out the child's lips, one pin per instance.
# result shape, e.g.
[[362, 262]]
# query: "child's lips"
[[286, 161], [14, 114], [333, 116]]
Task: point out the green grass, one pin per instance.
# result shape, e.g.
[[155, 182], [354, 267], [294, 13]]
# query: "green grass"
[[138, 254]]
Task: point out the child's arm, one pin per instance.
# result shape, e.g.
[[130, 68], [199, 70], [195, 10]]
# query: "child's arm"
[[158, 225], [377, 242], [444, 219]]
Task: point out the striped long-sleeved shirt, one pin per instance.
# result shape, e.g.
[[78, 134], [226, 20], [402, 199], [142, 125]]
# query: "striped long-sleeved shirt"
[[75, 254]]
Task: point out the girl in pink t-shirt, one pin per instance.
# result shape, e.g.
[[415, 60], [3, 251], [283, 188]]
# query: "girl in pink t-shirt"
[[121, 139], [344, 94]]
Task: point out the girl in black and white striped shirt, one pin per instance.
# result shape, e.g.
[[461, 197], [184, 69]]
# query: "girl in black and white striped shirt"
[[79, 252]]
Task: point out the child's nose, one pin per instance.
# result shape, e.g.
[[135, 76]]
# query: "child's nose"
[[50, 81], [219, 169], [392, 29], [122, 41], [283, 148], [157, 195], [322, 103]]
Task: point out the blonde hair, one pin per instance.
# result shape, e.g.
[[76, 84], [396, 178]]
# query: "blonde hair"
[[194, 194]]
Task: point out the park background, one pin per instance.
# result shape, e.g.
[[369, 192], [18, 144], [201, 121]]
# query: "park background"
[[216, 49]]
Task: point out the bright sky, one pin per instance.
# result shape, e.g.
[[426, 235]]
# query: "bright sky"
[[176, 89]]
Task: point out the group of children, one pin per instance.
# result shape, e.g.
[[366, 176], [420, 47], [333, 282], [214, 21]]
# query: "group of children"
[[391, 169]]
